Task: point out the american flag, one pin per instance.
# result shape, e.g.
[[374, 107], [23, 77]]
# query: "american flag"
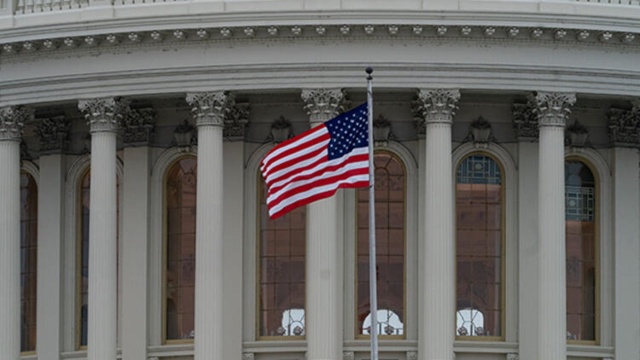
[[316, 163]]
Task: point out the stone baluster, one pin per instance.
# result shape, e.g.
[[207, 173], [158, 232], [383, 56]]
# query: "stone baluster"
[[323, 295], [103, 115], [12, 119], [209, 110], [552, 110], [437, 328]]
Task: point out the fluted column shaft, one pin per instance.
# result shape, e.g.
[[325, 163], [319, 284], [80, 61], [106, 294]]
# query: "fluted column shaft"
[[209, 110], [323, 311], [552, 111], [9, 236], [437, 330], [102, 303]]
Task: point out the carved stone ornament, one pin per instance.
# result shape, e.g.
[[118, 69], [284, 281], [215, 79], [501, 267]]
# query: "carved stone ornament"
[[624, 125], [236, 122], [553, 108], [323, 104], [480, 131], [12, 119], [138, 126], [53, 133], [381, 131], [438, 105], [412, 355], [183, 135], [210, 108], [103, 114], [513, 356], [248, 356], [280, 130], [525, 121], [348, 355]]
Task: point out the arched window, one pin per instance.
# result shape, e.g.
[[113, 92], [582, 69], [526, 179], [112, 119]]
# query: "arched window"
[[28, 261], [390, 196], [83, 256], [281, 271], [479, 247], [180, 235], [581, 216]]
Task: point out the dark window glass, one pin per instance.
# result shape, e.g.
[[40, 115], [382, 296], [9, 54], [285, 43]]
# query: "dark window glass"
[[479, 233], [281, 271], [28, 260], [580, 223], [180, 220], [390, 210]]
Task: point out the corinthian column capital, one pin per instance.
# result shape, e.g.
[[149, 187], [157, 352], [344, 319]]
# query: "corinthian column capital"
[[210, 108], [323, 104], [438, 105], [12, 119], [553, 108], [103, 114]]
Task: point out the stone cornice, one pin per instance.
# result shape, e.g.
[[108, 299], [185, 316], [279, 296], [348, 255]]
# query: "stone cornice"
[[355, 29]]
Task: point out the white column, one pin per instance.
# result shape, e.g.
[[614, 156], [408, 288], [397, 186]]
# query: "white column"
[[102, 118], [53, 134], [553, 109], [209, 110], [626, 230], [437, 321], [11, 121], [135, 240], [323, 313], [526, 127]]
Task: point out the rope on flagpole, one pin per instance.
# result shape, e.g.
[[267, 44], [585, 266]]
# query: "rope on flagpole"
[[373, 292]]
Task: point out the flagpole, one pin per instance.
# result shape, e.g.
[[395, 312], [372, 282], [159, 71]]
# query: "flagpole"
[[373, 291]]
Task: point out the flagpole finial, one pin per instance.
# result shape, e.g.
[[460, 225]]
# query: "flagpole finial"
[[369, 71]]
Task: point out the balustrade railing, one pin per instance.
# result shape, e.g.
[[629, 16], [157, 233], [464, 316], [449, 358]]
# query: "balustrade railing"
[[20, 7]]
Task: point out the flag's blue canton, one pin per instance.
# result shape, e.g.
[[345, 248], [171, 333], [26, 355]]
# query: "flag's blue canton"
[[348, 131]]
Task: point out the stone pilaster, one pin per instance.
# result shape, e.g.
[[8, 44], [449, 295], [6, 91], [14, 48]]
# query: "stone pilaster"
[[11, 122], [624, 126], [102, 115], [525, 124], [323, 312], [236, 122], [138, 127], [209, 111], [437, 327], [54, 134], [553, 111]]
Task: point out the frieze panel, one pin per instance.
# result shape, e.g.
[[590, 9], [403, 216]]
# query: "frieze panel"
[[53, 133]]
